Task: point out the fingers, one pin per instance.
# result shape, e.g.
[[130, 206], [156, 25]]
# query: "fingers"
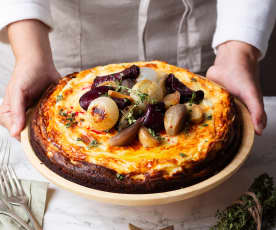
[[255, 106], [5, 114], [12, 113], [246, 88], [18, 114], [214, 75]]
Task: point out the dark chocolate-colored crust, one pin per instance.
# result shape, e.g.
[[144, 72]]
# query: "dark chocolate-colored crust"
[[101, 178]]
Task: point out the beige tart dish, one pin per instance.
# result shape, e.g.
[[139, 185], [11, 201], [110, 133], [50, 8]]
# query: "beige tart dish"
[[142, 127]]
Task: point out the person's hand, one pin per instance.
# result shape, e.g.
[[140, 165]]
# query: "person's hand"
[[27, 83], [236, 68], [34, 71]]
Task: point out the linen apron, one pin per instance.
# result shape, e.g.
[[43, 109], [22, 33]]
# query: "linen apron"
[[98, 32]]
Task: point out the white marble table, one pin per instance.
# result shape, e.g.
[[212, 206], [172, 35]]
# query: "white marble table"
[[69, 211]]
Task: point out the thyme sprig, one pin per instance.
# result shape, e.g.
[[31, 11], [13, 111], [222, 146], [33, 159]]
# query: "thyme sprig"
[[130, 116], [142, 96], [192, 100], [238, 216]]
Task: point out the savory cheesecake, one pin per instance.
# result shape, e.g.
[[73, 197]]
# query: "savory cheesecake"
[[141, 127]]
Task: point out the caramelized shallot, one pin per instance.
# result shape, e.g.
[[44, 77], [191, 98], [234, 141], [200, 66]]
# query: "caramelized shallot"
[[104, 113], [175, 118]]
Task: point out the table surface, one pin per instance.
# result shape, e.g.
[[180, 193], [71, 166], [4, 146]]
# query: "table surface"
[[69, 211]]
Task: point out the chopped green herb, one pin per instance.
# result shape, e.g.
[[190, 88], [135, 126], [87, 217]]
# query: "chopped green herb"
[[120, 176], [70, 119], [68, 125], [142, 96], [62, 113], [183, 154], [79, 139], [93, 143], [193, 79], [152, 132], [130, 117], [59, 98], [155, 135], [192, 100], [205, 125]]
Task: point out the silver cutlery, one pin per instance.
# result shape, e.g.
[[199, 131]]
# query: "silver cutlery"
[[11, 188], [6, 210]]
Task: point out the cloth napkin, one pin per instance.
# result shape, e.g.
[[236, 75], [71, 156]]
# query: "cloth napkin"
[[37, 193]]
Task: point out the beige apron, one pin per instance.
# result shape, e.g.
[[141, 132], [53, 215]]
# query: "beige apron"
[[96, 32]]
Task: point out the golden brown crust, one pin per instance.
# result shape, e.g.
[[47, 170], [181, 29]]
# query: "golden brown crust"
[[76, 167]]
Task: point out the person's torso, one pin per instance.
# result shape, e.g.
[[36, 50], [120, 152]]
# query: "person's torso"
[[88, 33]]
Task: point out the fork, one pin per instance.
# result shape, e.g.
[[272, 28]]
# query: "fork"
[[6, 210], [11, 188]]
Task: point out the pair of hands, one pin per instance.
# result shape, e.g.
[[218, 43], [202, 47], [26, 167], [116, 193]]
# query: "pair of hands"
[[235, 68]]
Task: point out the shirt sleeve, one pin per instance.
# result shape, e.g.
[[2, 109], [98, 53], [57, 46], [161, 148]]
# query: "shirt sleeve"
[[250, 21], [16, 10]]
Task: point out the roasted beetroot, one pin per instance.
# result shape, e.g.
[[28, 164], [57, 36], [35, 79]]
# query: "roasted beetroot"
[[94, 93], [154, 116], [130, 73], [173, 84]]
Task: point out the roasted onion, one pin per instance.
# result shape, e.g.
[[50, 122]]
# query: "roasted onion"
[[196, 114], [127, 135], [104, 113], [145, 92], [147, 73]]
